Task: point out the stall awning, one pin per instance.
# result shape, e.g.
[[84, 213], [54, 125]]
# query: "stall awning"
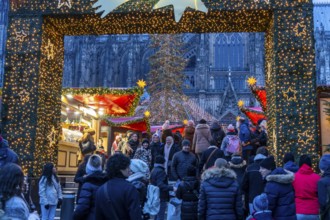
[[131, 123], [254, 114], [173, 128]]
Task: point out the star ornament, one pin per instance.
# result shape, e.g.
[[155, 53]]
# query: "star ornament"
[[300, 30], [290, 94], [141, 83], [62, 3], [304, 138], [147, 114], [251, 81], [240, 103], [181, 5], [20, 35]]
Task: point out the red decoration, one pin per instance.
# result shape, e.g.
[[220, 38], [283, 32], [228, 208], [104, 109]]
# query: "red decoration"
[[254, 114], [131, 123], [261, 95]]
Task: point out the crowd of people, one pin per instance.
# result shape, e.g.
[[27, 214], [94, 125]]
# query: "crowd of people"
[[208, 172]]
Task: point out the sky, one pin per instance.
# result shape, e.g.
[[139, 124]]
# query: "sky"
[[321, 1]]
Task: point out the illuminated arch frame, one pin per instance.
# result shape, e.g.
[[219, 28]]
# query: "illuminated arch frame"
[[34, 63]]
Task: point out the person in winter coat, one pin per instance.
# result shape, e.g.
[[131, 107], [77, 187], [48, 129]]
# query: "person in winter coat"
[[252, 182], [132, 145], [323, 187], [50, 192], [289, 163], [115, 144], [155, 147], [158, 178], [144, 153], [230, 138], [210, 156], [168, 150], [117, 199], [7, 155], [260, 205], [188, 192], [202, 138], [11, 199], [305, 187], [259, 138], [189, 131], [140, 178], [220, 196], [279, 190], [245, 137], [239, 166], [166, 131], [217, 133], [85, 208], [177, 137], [81, 174], [182, 160]]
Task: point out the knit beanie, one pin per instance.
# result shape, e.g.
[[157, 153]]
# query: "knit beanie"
[[139, 166], [94, 164], [305, 159], [159, 159], [202, 121], [259, 157], [260, 203], [325, 162], [288, 157], [236, 159], [186, 142], [268, 163], [220, 163], [145, 141]]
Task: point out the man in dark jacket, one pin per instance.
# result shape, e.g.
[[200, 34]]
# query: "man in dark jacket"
[[259, 138], [279, 190], [238, 165], [182, 160], [7, 155], [323, 187], [245, 137], [118, 199], [158, 178], [210, 156], [252, 182], [188, 191], [217, 133], [220, 196]]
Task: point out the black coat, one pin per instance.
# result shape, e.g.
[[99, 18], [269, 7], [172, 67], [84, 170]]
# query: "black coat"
[[156, 149], [117, 199], [323, 192], [220, 196], [188, 191], [134, 145], [158, 178], [80, 175], [239, 169], [85, 208], [218, 154], [217, 133], [259, 139], [173, 150], [280, 194], [252, 182], [181, 161]]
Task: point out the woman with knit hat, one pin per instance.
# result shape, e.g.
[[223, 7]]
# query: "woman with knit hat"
[[279, 190], [144, 153], [323, 187], [85, 208]]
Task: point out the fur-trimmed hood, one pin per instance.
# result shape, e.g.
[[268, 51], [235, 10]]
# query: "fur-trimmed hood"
[[280, 175], [219, 177], [202, 126], [240, 165]]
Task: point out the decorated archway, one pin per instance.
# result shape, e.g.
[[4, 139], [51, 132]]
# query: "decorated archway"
[[35, 50]]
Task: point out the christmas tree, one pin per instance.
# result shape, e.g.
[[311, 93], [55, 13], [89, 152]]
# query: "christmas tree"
[[166, 80]]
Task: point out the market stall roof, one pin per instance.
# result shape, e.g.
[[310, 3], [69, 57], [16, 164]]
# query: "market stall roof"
[[131, 123], [113, 102], [173, 128]]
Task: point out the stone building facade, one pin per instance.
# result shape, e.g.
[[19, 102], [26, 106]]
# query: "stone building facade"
[[219, 63]]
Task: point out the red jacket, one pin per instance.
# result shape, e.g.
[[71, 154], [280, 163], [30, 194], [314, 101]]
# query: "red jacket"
[[305, 186]]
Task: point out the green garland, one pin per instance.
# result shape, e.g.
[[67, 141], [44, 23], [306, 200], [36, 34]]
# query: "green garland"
[[144, 119]]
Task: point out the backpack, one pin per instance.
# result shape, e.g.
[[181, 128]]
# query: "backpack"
[[152, 205], [233, 144]]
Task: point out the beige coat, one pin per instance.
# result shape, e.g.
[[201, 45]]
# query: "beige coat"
[[202, 138]]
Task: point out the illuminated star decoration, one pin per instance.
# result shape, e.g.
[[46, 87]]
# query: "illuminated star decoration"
[[290, 94], [300, 29], [274, 140], [49, 50], [147, 114], [240, 103], [304, 138], [24, 96], [269, 70], [238, 118], [251, 81], [62, 3], [20, 35], [141, 83], [185, 122], [107, 6], [52, 137], [181, 5]]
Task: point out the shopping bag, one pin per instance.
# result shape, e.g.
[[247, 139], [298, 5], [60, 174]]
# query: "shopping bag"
[[174, 209]]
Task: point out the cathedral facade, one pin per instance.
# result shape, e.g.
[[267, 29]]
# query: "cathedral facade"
[[218, 63]]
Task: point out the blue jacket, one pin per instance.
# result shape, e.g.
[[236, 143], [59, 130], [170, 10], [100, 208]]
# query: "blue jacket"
[[158, 178], [280, 194], [117, 199], [291, 166], [7, 155], [220, 197], [245, 135], [261, 215], [85, 208], [323, 192]]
